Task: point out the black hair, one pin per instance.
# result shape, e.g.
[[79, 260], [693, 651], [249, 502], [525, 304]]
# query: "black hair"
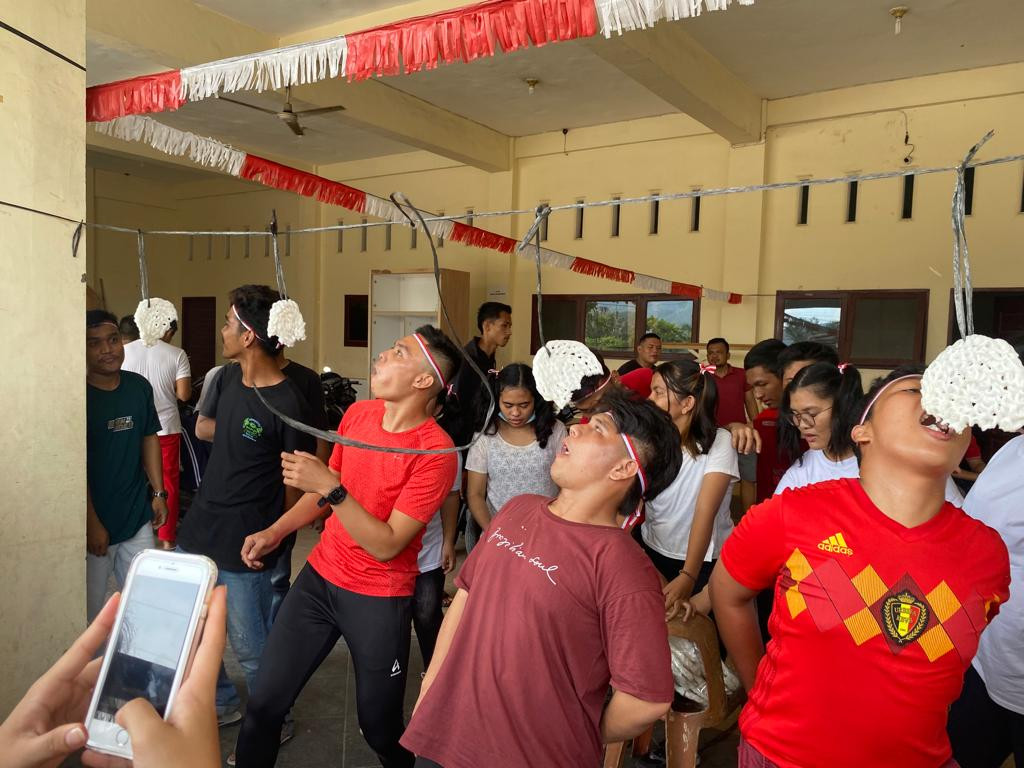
[[519, 375], [592, 382], [655, 439], [648, 335], [447, 356], [683, 378], [252, 303], [813, 351], [846, 392], [490, 310], [717, 340], [173, 326], [94, 317], [765, 354], [128, 327]]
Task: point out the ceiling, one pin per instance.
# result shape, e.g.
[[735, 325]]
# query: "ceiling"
[[778, 48], [285, 17], [145, 168]]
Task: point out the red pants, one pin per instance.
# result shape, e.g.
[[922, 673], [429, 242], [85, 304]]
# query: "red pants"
[[170, 452]]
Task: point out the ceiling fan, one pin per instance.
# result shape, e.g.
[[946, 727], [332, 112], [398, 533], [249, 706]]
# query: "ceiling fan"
[[287, 115]]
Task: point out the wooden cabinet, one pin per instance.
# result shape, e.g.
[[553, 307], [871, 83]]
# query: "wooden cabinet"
[[400, 302]]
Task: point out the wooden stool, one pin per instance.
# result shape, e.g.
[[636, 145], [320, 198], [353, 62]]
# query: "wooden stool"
[[683, 724]]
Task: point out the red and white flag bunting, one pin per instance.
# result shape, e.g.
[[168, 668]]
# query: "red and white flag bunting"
[[213, 154], [463, 34]]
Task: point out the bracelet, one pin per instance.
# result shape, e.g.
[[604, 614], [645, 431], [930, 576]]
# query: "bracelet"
[[683, 572]]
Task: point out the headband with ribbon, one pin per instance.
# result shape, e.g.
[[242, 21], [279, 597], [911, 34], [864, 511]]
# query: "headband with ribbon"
[[707, 368], [878, 394], [433, 364]]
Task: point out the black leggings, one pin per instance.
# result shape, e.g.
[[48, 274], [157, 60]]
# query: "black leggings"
[[669, 567], [426, 611], [311, 620], [984, 734]]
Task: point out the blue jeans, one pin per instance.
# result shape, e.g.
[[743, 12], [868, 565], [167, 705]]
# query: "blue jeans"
[[249, 603]]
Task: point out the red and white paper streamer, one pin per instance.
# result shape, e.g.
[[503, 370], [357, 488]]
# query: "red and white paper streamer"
[[213, 154], [425, 42]]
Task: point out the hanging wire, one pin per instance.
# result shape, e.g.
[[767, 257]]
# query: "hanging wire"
[[143, 271], [278, 269], [963, 294], [542, 212], [334, 437]]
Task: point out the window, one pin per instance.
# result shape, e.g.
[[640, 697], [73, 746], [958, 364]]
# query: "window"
[[413, 238], [805, 199], [387, 237], [440, 238], [579, 221], [695, 214], [998, 312], [544, 226], [969, 191], [341, 236], [875, 329], [851, 202], [655, 215], [469, 217], [364, 233], [908, 197], [611, 324], [357, 313], [287, 239], [616, 217]]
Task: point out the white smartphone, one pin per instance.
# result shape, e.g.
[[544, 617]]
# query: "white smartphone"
[[155, 636]]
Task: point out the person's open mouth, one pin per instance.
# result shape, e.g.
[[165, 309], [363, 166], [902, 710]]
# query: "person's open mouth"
[[933, 424]]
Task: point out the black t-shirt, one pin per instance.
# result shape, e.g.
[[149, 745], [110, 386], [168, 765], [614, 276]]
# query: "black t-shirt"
[[242, 491], [468, 405], [308, 382], [625, 368]]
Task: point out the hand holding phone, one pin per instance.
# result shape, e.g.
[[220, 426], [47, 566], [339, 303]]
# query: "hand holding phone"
[[188, 738], [47, 724], [155, 635]]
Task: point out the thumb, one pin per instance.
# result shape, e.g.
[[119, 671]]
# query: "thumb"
[[140, 720], [56, 744]]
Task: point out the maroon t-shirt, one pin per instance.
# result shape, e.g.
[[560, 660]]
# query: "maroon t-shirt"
[[557, 611], [732, 389]]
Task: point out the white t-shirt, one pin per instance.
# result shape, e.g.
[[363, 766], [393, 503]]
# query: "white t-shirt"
[[997, 499], [816, 468], [513, 470], [429, 558], [161, 365], [669, 516]]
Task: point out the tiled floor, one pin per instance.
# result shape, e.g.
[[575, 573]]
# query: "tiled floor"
[[327, 734]]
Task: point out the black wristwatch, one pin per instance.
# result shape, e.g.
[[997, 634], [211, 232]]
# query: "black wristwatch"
[[334, 497], [160, 494]]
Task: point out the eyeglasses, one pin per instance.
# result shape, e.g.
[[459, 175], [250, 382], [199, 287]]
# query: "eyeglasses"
[[806, 419]]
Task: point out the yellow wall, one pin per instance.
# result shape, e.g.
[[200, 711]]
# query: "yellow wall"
[[748, 243], [42, 305]]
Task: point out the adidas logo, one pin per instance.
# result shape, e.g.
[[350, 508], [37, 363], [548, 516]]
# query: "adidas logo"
[[835, 543]]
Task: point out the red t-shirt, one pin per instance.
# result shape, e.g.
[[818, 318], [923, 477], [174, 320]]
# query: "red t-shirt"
[[973, 450], [556, 611], [770, 466], [732, 389], [638, 381], [415, 485], [873, 628]]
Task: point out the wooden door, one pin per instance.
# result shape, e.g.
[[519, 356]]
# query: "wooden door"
[[199, 332]]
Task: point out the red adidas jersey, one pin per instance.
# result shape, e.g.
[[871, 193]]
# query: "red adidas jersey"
[[414, 484], [873, 628]]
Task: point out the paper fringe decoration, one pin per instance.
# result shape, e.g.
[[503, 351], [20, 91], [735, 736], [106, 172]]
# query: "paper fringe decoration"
[[286, 322], [463, 34], [560, 366], [153, 317], [620, 16], [213, 154], [204, 151], [294, 65], [977, 381]]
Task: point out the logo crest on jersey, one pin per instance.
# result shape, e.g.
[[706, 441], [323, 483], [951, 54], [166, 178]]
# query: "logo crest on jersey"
[[251, 429], [835, 543], [905, 617]]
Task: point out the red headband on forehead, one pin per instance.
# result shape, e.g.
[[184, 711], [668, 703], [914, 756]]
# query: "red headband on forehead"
[[430, 359], [632, 520]]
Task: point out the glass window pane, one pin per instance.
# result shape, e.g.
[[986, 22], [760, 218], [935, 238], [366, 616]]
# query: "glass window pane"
[[884, 328], [559, 319], [610, 325], [811, 320], [673, 321]]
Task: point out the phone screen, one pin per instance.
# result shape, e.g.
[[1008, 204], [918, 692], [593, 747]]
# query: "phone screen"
[[150, 642]]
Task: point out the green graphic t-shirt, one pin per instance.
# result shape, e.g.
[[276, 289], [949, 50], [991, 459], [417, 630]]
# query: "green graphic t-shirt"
[[117, 421]]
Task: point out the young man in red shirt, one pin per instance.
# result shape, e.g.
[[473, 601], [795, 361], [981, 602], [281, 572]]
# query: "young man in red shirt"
[[736, 406], [761, 366], [359, 581], [882, 590], [555, 603]]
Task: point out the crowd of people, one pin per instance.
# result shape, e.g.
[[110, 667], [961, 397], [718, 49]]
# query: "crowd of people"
[[817, 524]]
